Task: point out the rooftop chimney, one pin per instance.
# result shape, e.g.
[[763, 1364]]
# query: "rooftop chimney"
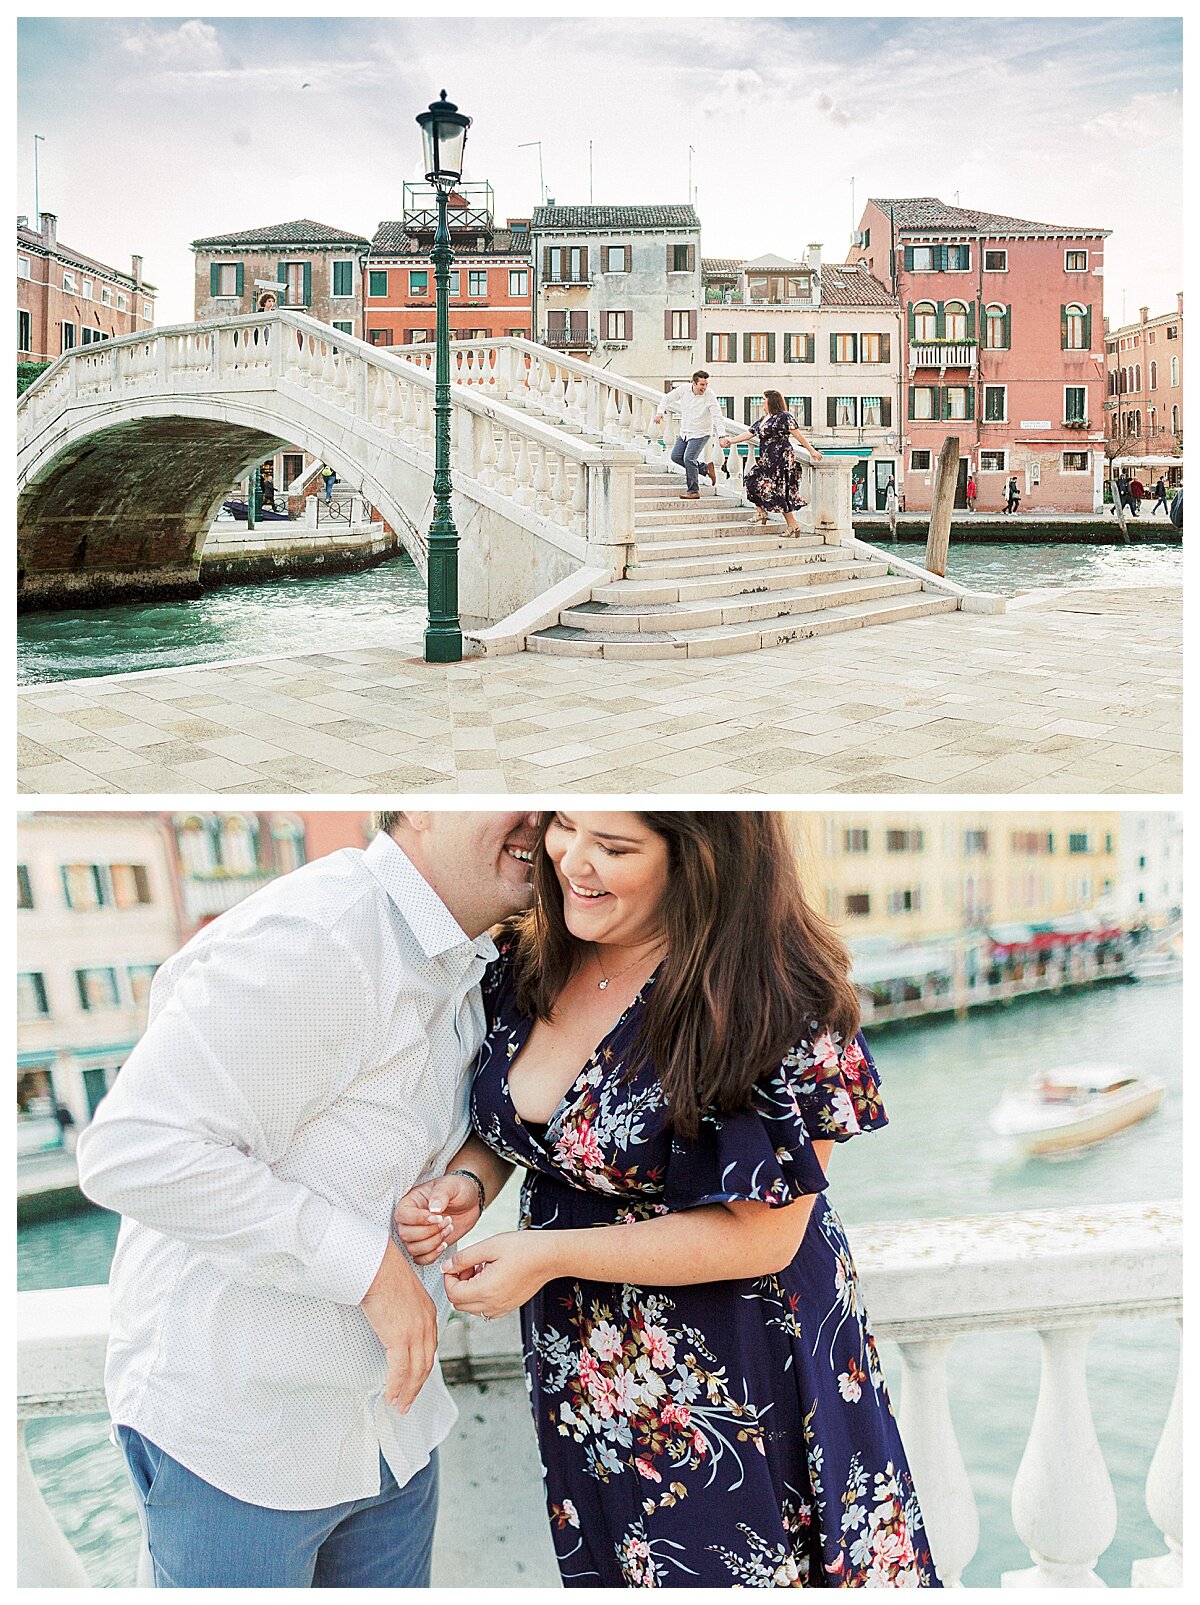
[[49, 228], [22, 220], [813, 254], [137, 268], [1179, 301], [1144, 314]]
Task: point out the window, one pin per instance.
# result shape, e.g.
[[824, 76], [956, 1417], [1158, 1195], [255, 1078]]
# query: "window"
[[565, 264], [518, 334], [874, 348], [920, 460], [726, 404], [1076, 331], [147, 311], [69, 284], [843, 348], [616, 325], [1075, 261], [88, 336], [679, 326], [379, 337], [87, 290], [922, 401], [377, 282], [518, 281], [1075, 462], [799, 348], [905, 902], [343, 278], [991, 462], [958, 258], [121, 302], [1078, 841], [920, 258], [23, 267], [958, 401], [130, 884], [924, 321], [68, 336], [453, 286], [841, 412], [752, 410], [477, 282], [106, 293], [1172, 331], [800, 408], [995, 403], [996, 327], [287, 834], [956, 321], [140, 978], [1174, 420], [1075, 404], [24, 330], [97, 989], [975, 843], [906, 841], [24, 888], [418, 281], [856, 841], [758, 347], [995, 261], [1031, 843], [681, 258], [293, 467], [858, 903], [1175, 372], [1154, 376], [344, 325], [83, 885], [876, 412], [720, 348], [866, 239], [616, 259], [32, 1003]]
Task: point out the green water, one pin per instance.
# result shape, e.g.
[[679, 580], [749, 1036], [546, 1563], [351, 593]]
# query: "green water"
[[386, 603], [936, 1159], [1009, 570]]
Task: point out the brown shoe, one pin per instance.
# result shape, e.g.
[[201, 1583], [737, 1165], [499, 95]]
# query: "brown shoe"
[[689, 496], [712, 474]]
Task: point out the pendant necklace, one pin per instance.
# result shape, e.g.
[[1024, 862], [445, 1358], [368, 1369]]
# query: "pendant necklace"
[[602, 985]]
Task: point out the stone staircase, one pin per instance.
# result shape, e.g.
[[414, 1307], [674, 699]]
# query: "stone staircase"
[[708, 579]]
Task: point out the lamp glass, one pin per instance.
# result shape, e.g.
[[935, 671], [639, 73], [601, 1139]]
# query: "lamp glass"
[[443, 135]]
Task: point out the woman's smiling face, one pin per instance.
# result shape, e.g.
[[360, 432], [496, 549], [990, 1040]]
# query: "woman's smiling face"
[[613, 870]]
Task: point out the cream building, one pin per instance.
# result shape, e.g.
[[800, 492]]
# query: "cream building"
[[96, 915]]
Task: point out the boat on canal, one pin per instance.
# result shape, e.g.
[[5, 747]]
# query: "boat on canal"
[[1064, 1109]]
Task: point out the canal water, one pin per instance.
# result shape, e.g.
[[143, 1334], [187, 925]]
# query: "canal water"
[[935, 1160], [388, 603]]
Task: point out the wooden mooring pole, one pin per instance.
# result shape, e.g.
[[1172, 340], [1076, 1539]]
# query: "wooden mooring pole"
[[944, 481]]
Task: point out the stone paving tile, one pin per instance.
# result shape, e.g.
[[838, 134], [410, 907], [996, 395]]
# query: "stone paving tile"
[[1078, 691]]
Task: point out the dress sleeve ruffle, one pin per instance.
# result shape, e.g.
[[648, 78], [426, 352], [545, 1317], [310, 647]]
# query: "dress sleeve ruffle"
[[822, 1091]]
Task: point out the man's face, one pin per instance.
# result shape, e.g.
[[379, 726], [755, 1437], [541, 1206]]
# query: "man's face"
[[477, 863], [699, 386]]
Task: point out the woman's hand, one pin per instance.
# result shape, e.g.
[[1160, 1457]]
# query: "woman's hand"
[[500, 1274], [435, 1214]]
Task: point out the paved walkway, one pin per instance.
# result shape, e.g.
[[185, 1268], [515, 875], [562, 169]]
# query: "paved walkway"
[[1069, 691]]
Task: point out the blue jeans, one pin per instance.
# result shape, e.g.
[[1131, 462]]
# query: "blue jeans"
[[199, 1537], [687, 454]]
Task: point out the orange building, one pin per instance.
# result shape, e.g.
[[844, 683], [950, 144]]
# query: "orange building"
[[490, 282], [66, 299], [1144, 406]]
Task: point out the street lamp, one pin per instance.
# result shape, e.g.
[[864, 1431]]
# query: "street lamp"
[[444, 133]]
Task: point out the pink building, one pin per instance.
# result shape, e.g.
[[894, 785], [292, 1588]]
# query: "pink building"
[[1002, 340], [1145, 386]]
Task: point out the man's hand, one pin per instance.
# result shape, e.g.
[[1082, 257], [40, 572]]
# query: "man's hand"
[[405, 1321], [723, 441], [435, 1214]]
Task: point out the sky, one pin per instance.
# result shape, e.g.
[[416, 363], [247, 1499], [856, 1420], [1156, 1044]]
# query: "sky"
[[159, 130]]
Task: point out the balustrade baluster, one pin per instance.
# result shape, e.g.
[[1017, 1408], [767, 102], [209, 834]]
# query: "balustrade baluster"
[[579, 498], [1063, 1504], [486, 456], [943, 1487], [541, 479], [1164, 1499], [379, 400], [402, 422], [561, 510], [523, 474], [610, 425], [506, 466], [558, 394], [546, 389]]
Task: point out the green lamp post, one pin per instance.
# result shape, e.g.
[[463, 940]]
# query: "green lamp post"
[[444, 133]]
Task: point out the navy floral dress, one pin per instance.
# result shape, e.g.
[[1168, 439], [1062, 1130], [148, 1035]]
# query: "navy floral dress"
[[733, 1433], [774, 482]]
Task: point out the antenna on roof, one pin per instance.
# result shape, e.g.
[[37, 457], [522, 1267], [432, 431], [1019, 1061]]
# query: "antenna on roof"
[[853, 211]]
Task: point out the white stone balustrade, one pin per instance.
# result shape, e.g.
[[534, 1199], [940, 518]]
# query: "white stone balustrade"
[[1057, 1272]]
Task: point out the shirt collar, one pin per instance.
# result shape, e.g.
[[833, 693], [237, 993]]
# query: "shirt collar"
[[436, 931]]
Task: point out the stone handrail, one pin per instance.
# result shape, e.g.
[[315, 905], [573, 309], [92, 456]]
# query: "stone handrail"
[[1057, 1272], [576, 494]]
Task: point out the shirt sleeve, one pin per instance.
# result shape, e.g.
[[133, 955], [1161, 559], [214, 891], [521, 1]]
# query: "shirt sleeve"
[[261, 1030], [672, 399]]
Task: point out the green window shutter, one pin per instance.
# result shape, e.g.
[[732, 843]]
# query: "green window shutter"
[[912, 401], [941, 320], [1008, 328], [854, 347], [810, 348], [788, 348], [710, 348], [771, 347], [970, 401], [833, 348], [308, 284], [214, 279], [1062, 327], [939, 259], [283, 273], [970, 320], [1087, 328], [240, 278], [831, 411], [908, 258], [745, 346], [885, 412], [912, 323], [885, 349]]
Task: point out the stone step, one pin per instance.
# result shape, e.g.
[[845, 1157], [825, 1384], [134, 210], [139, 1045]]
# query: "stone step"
[[702, 546], [701, 517], [565, 641], [654, 618], [702, 565], [723, 529], [706, 504], [812, 569]]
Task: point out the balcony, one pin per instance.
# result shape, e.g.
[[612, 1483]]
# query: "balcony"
[[570, 281], [942, 354], [567, 340], [1057, 1272]]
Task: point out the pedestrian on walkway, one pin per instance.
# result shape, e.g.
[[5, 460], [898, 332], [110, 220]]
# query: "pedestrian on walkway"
[[1012, 495], [329, 480], [972, 493], [891, 504], [699, 419], [1160, 497], [1136, 492], [1123, 483]]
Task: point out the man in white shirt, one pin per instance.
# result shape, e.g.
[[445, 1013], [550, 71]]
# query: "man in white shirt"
[[699, 419], [306, 1062]]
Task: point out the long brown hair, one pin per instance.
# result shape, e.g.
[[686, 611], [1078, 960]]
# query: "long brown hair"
[[750, 967], [774, 401]]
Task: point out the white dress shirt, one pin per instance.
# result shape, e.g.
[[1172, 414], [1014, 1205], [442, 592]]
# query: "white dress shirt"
[[699, 415], [306, 1062]]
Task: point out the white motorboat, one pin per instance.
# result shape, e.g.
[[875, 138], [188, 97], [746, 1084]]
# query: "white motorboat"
[[1071, 1107], [1158, 965]]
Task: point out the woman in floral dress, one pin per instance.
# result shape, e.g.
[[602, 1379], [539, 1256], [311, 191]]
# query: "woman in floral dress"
[[672, 1057], [773, 484]]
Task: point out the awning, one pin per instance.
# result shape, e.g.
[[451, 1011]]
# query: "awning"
[[914, 963]]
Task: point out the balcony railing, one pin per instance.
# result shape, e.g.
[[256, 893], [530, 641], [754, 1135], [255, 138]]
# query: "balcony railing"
[[567, 281], [942, 354], [1056, 1272], [567, 339]]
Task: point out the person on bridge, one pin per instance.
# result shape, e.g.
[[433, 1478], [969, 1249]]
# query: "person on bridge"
[[699, 419], [773, 484], [329, 480], [271, 1366], [1160, 498]]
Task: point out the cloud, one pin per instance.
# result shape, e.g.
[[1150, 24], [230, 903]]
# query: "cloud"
[[192, 44], [829, 108]]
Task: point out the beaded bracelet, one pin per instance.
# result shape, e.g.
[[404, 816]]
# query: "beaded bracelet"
[[479, 1185]]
